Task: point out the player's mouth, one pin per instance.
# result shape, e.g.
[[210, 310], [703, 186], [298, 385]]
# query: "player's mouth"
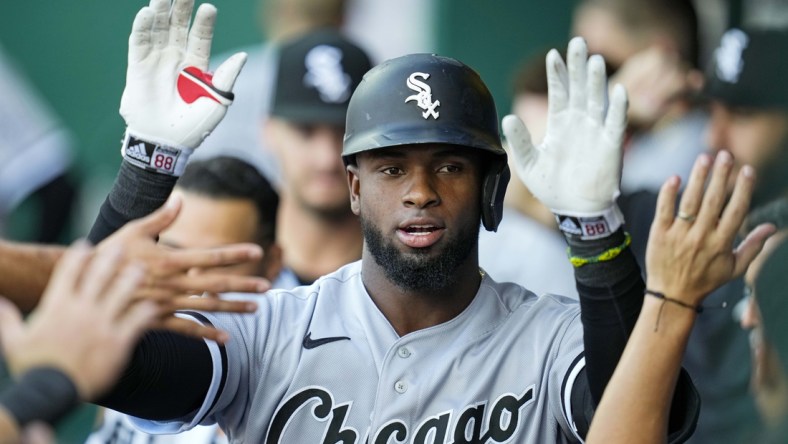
[[420, 234]]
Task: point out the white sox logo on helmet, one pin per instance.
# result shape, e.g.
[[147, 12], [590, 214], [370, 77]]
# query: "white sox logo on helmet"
[[424, 97]]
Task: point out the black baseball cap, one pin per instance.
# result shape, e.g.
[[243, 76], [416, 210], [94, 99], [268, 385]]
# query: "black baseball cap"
[[749, 69], [316, 75]]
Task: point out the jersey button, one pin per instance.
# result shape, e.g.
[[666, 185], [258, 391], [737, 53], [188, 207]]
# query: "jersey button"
[[403, 352], [401, 386]]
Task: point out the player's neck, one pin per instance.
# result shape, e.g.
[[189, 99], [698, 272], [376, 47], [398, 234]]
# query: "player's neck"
[[313, 246], [412, 310]]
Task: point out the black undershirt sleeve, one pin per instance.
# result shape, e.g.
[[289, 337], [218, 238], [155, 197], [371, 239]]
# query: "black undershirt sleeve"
[[159, 388], [135, 194]]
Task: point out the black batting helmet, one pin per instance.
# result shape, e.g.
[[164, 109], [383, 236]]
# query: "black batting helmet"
[[428, 99]]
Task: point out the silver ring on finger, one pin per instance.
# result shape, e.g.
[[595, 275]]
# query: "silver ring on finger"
[[685, 217]]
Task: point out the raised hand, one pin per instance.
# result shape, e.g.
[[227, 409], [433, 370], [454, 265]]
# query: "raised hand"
[[576, 170], [171, 103], [87, 321], [691, 253], [170, 279]]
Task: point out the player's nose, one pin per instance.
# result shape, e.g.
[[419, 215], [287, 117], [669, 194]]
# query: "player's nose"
[[420, 192]]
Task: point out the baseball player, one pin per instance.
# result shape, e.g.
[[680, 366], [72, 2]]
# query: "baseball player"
[[414, 342]]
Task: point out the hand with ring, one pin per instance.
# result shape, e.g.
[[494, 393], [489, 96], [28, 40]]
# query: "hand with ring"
[[686, 261]]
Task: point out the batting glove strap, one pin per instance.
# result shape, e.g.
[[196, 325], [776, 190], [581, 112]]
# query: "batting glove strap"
[[589, 226], [41, 394], [155, 157]]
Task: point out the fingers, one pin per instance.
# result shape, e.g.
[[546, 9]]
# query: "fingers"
[[64, 278], [596, 88], [227, 72], [121, 291], [577, 56], [140, 38], [161, 23], [518, 141], [191, 328], [182, 260], [666, 204], [11, 324], [215, 283], [99, 273], [557, 84], [137, 319], [714, 198], [179, 22], [693, 192], [154, 223], [209, 304], [198, 47], [750, 247], [616, 120], [736, 209]]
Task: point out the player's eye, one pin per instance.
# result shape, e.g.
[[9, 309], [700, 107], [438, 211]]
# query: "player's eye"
[[391, 171], [304, 130], [449, 169]]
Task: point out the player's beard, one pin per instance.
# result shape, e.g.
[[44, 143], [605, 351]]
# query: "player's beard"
[[422, 269]]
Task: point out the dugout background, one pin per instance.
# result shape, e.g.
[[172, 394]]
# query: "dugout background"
[[75, 54]]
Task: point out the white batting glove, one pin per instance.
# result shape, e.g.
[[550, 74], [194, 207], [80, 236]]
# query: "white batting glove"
[[577, 169], [171, 103]]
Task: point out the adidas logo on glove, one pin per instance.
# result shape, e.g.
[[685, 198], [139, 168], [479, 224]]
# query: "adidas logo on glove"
[[138, 152]]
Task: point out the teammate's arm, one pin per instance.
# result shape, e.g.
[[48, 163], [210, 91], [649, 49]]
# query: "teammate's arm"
[[26, 269], [77, 340], [687, 258]]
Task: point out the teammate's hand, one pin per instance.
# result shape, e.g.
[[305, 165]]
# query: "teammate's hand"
[[170, 280], [654, 79], [86, 323], [170, 99], [576, 170], [691, 254]]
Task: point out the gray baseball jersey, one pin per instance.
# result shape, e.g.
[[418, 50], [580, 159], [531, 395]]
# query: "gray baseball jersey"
[[321, 364]]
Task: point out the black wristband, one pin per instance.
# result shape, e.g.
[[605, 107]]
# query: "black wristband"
[[41, 394]]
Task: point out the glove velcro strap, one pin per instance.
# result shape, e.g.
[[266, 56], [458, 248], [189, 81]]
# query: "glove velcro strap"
[[41, 394], [155, 157], [590, 226]]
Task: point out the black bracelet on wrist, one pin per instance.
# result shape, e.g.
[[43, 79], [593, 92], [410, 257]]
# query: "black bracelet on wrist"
[[41, 394]]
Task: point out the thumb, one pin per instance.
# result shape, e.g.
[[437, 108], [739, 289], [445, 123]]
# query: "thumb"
[[10, 322], [750, 247], [227, 72], [519, 144], [156, 222]]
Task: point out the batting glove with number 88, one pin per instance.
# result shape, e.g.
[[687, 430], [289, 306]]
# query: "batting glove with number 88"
[[171, 103], [577, 169]]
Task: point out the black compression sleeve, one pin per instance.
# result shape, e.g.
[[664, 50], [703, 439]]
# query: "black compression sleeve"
[[611, 295], [135, 193], [162, 389]]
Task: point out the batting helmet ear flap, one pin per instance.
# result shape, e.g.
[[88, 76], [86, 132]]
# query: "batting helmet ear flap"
[[493, 192]]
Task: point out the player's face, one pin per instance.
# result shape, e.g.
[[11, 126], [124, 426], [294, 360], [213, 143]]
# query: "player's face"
[[311, 160], [605, 34], [752, 137], [419, 209], [206, 222]]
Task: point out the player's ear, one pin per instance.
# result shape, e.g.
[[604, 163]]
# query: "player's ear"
[[355, 187]]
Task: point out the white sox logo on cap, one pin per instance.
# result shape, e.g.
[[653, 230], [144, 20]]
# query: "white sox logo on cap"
[[326, 74], [728, 55], [424, 97]]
